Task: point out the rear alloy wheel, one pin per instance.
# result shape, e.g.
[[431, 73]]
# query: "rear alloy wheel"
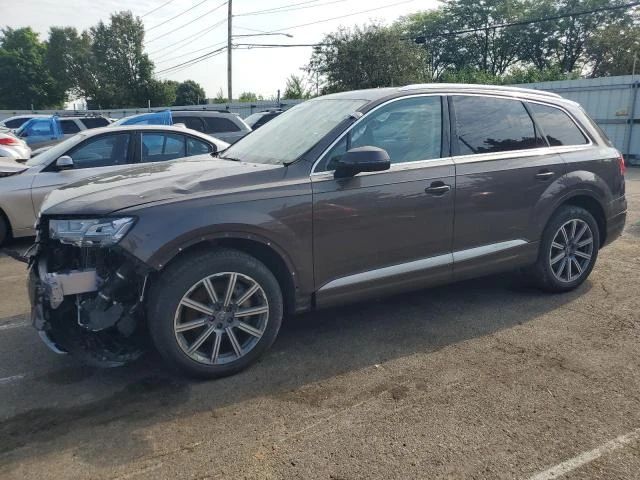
[[571, 250], [568, 250], [213, 314]]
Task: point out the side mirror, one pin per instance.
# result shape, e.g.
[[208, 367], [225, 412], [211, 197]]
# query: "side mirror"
[[65, 162], [362, 159]]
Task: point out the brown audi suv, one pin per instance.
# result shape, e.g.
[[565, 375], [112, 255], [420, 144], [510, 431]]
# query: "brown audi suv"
[[341, 198]]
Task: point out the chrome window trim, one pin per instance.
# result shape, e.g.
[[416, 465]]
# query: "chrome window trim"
[[474, 157], [422, 264], [364, 117]]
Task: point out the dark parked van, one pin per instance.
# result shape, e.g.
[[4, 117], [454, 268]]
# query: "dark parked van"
[[341, 198]]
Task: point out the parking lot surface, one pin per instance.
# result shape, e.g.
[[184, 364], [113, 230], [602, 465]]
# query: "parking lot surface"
[[482, 379]]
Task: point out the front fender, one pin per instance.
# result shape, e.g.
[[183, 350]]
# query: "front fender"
[[282, 224]]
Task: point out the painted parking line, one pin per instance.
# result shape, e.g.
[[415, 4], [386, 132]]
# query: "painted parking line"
[[12, 379], [10, 325], [587, 457]]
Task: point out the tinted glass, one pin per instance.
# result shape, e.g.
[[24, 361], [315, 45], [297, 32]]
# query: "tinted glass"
[[194, 123], [95, 122], [101, 151], [557, 126], [40, 128], [486, 124], [409, 130], [16, 122], [220, 124], [159, 147], [69, 127], [197, 147]]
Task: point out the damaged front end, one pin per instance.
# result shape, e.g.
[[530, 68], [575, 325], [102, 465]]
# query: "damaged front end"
[[87, 294]]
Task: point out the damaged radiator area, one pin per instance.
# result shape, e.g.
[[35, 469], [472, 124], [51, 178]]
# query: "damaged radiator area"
[[89, 302]]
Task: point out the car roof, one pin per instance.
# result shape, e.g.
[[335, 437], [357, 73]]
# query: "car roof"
[[374, 94], [153, 128]]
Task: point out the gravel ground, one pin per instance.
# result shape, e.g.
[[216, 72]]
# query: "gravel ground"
[[482, 379]]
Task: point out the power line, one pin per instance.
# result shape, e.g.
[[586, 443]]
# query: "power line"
[[342, 16], [198, 34], [193, 61], [423, 38], [176, 16], [287, 8], [187, 24], [186, 53], [156, 9], [277, 45]]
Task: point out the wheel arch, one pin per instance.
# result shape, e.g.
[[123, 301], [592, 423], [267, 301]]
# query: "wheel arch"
[[594, 207], [263, 250]]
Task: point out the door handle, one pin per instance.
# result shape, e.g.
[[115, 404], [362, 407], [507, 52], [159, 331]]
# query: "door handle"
[[544, 175], [437, 189]]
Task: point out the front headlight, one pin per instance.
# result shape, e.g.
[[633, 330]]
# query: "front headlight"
[[90, 232]]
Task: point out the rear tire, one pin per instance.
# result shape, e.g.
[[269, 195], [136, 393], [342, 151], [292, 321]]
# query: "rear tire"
[[213, 314], [568, 250]]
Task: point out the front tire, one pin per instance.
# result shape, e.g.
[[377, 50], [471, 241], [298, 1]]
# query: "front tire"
[[213, 314], [568, 250]]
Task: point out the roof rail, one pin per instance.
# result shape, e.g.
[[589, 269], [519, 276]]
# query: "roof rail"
[[496, 88], [203, 109], [78, 114]]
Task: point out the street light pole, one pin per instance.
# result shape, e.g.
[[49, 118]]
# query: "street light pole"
[[229, 35]]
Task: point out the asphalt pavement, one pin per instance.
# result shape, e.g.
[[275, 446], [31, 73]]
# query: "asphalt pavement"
[[482, 379]]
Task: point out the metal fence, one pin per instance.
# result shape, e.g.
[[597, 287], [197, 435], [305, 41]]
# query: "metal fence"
[[612, 102], [244, 109]]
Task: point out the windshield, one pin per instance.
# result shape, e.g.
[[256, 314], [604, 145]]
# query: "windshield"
[[289, 135], [56, 151]]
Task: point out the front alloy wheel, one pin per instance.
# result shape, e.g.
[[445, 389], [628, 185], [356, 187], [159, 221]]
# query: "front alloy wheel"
[[221, 318], [213, 313]]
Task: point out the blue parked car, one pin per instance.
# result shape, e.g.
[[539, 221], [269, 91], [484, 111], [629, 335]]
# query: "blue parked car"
[[46, 130], [152, 118]]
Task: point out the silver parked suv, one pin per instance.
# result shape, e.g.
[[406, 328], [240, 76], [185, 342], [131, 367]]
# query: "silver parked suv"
[[226, 126]]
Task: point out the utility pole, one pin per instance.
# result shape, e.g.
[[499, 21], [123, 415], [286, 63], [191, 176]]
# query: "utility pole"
[[229, 88]]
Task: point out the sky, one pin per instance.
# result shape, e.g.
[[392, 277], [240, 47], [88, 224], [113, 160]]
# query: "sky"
[[201, 28]]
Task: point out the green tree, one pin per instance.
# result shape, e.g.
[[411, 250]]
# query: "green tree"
[[220, 98], [190, 93], [249, 97], [366, 57], [614, 49], [26, 80], [295, 88], [122, 72]]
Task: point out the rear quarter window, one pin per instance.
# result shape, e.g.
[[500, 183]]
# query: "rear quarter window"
[[69, 127], [220, 124], [559, 129]]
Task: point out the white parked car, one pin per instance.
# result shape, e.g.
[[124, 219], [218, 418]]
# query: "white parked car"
[[13, 148], [90, 152]]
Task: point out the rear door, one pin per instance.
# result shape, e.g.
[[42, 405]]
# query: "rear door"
[[99, 154], [504, 166], [382, 231]]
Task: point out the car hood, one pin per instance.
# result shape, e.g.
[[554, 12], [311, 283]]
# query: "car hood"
[[109, 192]]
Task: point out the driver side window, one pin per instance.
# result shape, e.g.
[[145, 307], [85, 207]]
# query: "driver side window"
[[409, 130]]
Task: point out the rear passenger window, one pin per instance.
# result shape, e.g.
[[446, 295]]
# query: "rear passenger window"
[[95, 122], [220, 124], [194, 123], [69, 127], [557, 126], [159, 147], [485, 125]]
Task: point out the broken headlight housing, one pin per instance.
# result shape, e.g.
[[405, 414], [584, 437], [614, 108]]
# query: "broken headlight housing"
[[90, 232]]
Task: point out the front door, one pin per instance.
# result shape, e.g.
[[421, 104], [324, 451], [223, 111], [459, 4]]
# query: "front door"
[[99, 154], [503, 168], [380, 231]]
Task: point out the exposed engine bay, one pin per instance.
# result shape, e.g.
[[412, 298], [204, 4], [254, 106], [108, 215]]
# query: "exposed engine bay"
[[88, 301]]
